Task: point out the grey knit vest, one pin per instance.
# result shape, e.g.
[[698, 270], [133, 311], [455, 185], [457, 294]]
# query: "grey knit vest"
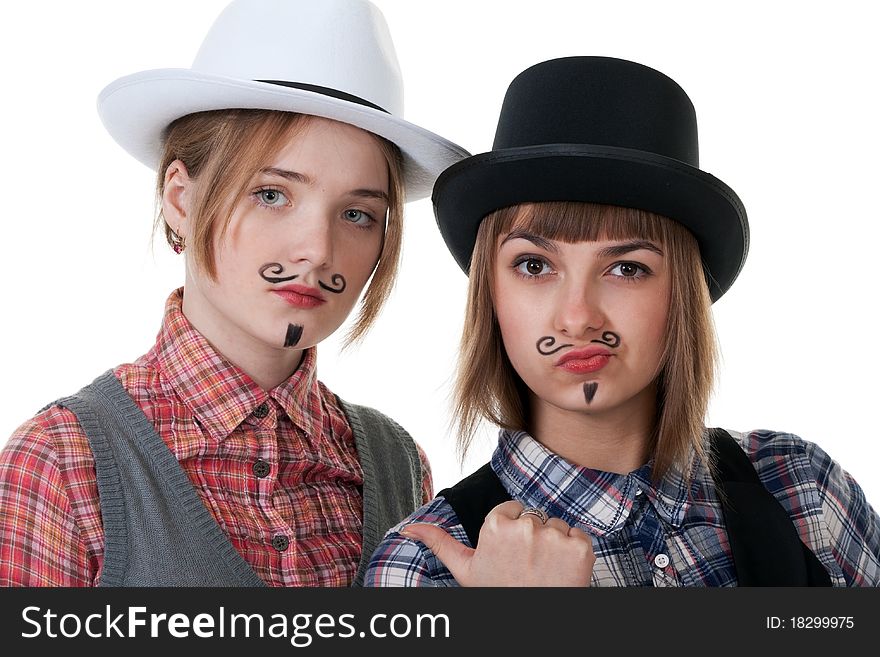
[[157, 532]]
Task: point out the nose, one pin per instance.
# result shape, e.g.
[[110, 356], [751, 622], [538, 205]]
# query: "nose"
[[578, 310], [311, 238]]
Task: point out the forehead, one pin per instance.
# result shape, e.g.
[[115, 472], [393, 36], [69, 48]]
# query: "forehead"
[[328, 151]]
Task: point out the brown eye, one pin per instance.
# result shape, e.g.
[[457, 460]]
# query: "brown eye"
[[534, 267], [630, 270]]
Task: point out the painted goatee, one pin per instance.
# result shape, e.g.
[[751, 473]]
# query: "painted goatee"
[[294, 333], [590, 389]]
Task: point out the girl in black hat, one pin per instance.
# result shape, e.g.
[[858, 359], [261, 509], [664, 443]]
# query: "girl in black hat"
[[595, 247]]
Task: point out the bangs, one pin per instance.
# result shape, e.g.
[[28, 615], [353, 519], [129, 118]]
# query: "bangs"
[[571, 222]]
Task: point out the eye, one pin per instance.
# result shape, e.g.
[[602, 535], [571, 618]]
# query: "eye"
[[357, 217], [531, 267], [272, 198], [629, 270]]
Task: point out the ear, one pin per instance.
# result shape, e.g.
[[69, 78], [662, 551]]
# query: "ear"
[[176, 197]]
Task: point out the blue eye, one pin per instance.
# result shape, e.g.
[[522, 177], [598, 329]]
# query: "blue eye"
[[358, 217], [272, 198], [531, 267]]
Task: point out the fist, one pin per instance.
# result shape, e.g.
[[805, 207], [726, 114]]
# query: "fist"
[[513, 550]]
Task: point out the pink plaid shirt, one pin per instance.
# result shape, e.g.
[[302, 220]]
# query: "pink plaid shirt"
[[281, 462]]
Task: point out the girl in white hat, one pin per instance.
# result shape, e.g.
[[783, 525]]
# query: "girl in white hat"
[[218, 458]]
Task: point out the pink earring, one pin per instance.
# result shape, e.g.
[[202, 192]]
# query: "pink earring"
[[177, 243]]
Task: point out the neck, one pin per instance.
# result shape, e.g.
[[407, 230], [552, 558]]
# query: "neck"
[[267, 366], [617, 440]]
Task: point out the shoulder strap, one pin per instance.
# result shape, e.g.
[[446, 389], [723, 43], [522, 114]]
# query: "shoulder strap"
[[767, 550], [473, 497], [393, 475]]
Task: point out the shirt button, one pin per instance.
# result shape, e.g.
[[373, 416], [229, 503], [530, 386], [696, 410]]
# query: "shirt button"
[[280, 542], [261, 468], [661, 561], [262, 410], [638, 491]]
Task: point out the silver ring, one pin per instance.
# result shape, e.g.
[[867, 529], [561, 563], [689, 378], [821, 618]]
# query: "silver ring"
[[533, 511]]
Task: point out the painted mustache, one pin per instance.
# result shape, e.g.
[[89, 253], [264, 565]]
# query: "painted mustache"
[[337, 281], [275, 268], [609, 339], [547, 346]]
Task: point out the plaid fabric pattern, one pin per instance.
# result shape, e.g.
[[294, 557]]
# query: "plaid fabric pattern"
[[220, 425], [671, 534]]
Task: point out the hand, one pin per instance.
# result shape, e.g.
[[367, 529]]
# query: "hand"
[[513, 551]]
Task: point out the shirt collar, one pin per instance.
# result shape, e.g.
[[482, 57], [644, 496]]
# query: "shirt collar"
[[599, 501], [219, 394]]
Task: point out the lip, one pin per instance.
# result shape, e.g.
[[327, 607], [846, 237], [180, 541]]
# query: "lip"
[[301, 296], [580, 361]]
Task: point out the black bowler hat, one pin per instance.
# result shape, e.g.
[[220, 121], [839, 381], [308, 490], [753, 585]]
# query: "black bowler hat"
[[601, 130]]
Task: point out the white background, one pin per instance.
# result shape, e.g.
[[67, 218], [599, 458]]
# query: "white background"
[[787, 102]]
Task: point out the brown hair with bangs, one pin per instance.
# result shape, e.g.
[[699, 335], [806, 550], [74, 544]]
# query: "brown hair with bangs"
[[488, 387], [224, 149]]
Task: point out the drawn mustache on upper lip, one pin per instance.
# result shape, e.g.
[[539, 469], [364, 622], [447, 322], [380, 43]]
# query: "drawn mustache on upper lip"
[[609, 338], [548, 341], [545, 345], [275, 268], [337, 281]]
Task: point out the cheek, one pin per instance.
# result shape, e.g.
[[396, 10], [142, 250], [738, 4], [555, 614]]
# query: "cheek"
[[358, 256], [519, 332], [649, 330]]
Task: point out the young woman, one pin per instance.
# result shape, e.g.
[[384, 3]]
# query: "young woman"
[[595, 246], [218, 458]]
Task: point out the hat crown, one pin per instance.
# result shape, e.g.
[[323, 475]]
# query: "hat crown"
[[342, 45], [599, 101]]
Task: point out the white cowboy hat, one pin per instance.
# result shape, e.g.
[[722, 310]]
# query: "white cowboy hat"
[[330, 58]]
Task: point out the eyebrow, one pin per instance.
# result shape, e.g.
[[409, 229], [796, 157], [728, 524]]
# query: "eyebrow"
[[302, 178], [371, 193], [290, 175], [612, 251], [617, 250], [537, 240]]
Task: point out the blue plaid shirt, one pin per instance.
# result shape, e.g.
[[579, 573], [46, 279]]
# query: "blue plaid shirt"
[[671, 534]]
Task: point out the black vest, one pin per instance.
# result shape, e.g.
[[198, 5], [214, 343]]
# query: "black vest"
[[767, 550]]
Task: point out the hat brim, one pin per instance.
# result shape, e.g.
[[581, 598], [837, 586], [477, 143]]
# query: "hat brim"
[[469, 190], [137, 109]]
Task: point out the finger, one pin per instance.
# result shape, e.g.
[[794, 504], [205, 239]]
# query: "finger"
[[454, 555], [558, 525], [579, 534], [510, 509]]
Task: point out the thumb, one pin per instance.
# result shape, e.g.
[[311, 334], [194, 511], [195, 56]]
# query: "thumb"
[[455, 556]]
